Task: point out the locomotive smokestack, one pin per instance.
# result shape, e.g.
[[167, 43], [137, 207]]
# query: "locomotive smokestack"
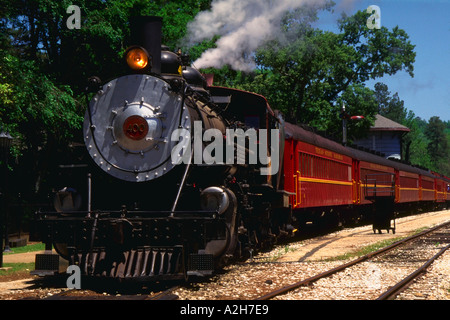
[[146, 32]]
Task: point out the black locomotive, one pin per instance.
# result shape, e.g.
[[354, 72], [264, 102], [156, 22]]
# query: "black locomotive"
[[143, 208]]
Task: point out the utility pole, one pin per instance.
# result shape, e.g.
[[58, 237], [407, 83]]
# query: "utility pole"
[[344, 116]]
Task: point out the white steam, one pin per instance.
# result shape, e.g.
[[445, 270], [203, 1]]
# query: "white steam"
[[243, 25]]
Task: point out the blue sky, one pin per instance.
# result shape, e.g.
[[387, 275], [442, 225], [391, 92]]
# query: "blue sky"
[[427, 22]]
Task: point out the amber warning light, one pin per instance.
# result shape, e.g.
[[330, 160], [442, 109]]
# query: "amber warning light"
[[137, 58]]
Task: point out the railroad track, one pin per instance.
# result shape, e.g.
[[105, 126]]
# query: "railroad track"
[[406, 249], [255, 279]]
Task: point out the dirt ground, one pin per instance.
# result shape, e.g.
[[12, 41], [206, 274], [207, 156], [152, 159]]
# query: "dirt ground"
[[20, 257]]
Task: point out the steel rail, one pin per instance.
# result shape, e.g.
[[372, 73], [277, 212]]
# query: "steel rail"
[[348, 264], [392, 292]]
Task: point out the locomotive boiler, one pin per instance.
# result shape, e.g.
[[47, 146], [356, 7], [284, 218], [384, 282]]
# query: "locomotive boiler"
[[142, 207]]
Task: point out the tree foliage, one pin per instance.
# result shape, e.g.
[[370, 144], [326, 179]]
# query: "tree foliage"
[[438, 147], [44, 67], [309, 73], [390, 107], [427, 144]]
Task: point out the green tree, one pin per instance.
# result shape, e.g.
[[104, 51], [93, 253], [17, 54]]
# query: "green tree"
[[438, 147], [358, 100], [390, 107], [44, 67], [310, 76], [416, 142], [39, 33], [41, 115]]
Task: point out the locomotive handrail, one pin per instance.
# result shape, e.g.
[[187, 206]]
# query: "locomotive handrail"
[[196, 214]]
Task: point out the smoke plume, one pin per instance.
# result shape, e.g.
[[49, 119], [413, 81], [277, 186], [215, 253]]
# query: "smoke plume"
[[243, 25]]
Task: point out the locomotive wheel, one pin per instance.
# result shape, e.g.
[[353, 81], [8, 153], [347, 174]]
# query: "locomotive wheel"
[[61, 249]]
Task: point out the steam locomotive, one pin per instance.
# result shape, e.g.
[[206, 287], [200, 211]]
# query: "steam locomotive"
[[160, 200], [148, 208]]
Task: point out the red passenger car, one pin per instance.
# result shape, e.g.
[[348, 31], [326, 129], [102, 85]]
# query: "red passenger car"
[[318, 172], [408, 184], [322, 176], [375, 177], [427, 187], [440, 188]]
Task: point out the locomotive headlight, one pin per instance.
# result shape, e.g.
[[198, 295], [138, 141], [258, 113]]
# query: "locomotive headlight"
[[214, 199], [137, 58]]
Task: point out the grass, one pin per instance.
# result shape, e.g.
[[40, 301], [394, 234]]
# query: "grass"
[[365, 250], [373, 247], [279, 251], [13, 268], [27, 248]]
